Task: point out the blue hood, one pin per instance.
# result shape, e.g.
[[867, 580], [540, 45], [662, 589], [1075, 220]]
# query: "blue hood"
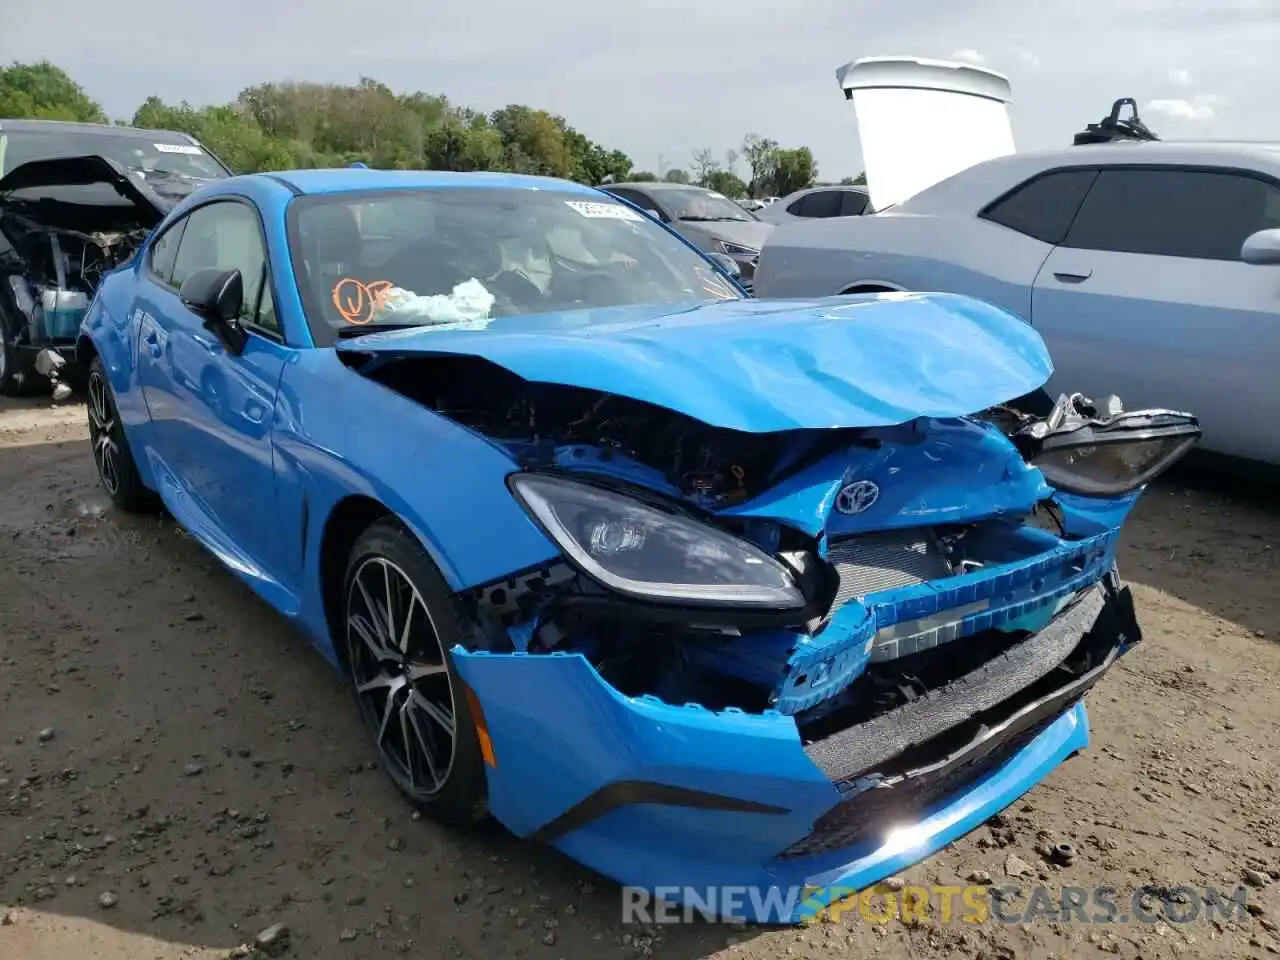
[[762, 366]]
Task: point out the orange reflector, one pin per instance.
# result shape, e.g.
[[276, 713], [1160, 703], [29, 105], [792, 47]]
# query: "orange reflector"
[[482, 728]]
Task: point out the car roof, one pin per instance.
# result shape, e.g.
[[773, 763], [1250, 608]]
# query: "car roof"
[[346, 179], [1160, 151], [657, 185], [975, 187], [100, 129]]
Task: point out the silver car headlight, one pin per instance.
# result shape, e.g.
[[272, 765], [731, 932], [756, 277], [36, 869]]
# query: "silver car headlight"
[[737, 249], [646, 551]]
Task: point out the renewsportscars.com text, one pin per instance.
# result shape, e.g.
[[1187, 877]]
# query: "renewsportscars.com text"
[[938, 903]]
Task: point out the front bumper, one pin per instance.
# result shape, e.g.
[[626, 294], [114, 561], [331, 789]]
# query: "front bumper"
[[687, 802]]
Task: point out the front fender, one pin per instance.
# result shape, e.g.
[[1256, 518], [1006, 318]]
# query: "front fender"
[[338, 434]]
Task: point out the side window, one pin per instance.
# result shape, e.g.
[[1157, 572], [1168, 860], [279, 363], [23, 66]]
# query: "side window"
[[822, 203], [1200, 214], [1044, 206], [853, 204], [164, 250], [226, 234]]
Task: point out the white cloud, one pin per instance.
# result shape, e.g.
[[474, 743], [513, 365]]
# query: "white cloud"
[[968, 55], [1029, 58], [1198, 109], [1181, 78]]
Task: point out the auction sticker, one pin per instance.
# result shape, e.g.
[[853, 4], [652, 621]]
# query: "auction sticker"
[[605, 211], [189, 149]]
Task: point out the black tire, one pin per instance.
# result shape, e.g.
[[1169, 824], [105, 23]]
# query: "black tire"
[[117, 470], [459, 796]]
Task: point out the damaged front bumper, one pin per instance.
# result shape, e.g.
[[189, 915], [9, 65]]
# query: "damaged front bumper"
[[680, 798]]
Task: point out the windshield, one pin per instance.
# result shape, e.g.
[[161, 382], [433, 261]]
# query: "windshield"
[[162, 155], [706, 205], [464, 256]]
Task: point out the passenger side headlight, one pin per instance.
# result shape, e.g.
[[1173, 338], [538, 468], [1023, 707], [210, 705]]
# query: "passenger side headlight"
[[1112, 457], [648, 551]]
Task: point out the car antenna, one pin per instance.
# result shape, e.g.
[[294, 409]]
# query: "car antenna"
[[1111, 127]]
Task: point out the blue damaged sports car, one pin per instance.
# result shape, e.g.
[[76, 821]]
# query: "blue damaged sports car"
[[702, 590]]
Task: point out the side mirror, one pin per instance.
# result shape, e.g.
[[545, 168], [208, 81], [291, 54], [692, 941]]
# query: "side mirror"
[[1262, 248], [217, 296], [727, 264]]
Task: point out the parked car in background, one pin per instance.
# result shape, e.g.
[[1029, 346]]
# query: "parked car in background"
[[839, 200], [76, 199], [1150, 268], [709, 220]]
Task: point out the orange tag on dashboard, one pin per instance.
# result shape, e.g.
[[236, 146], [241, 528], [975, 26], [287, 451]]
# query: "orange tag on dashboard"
[[357, 302]]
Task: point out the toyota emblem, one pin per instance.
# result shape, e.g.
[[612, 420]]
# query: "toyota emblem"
[[857, 497]]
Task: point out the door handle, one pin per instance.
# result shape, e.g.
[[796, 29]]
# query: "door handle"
[[152, 340], [1072, 276]]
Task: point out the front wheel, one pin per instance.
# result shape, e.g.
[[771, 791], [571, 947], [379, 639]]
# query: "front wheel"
[[399, 624], [117, 470]]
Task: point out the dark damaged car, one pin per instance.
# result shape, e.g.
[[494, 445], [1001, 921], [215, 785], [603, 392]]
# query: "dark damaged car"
[[76, 201], [716, 595]]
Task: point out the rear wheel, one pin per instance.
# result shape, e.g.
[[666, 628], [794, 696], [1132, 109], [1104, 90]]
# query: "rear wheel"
[[117, 470], [399, 625]]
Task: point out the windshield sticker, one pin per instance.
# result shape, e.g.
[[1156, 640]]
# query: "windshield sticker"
[[189, 149], [357, 302], [605, 211]]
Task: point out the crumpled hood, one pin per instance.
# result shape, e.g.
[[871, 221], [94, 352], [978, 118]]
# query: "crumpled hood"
[[765, 366], [85, 170], [749, 234]]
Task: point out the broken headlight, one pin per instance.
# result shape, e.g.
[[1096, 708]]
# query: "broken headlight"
[[644, 550], [1080, 449]]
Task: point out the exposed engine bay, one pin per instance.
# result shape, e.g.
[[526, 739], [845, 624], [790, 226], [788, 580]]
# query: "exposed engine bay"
[[903, 541], [64, 223]]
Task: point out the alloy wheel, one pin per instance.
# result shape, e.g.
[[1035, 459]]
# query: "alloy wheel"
[[401, 675], [102, 430]]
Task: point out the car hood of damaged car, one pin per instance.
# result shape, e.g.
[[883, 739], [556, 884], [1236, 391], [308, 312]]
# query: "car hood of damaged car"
[[85, 171], [763, 366]]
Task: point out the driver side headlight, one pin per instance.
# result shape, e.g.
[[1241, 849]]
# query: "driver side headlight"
[[646, 551]]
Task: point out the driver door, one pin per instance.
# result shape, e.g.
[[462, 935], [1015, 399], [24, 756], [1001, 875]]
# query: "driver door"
[[212, 410]]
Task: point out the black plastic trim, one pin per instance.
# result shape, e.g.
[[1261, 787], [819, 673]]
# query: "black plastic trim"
[[625, 793], [287, 184]]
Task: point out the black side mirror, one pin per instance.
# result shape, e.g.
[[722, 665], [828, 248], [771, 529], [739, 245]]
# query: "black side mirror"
[[727, 264], [217, 296]]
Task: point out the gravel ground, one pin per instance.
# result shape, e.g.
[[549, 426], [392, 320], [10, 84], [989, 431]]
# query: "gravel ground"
[[179, 773]]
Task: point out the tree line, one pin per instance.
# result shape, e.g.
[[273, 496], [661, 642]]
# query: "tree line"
[[289, 124]]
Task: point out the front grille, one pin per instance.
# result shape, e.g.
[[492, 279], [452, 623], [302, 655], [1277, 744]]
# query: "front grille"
[[885, 561], [874, 812]]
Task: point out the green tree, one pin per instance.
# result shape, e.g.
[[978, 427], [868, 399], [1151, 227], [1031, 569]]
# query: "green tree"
[[642, 176], [726, 182], [760, 154], [45, 92], [793, 169], [676, 175]]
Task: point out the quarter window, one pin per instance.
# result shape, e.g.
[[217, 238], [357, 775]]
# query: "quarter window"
[[227, 235], [820, 203], [1043, 207], [853, 204], [1199, 214]]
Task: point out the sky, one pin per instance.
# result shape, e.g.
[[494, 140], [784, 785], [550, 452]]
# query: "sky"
[[661, 79]]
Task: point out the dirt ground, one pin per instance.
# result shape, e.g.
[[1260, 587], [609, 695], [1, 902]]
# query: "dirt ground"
[[178, 772]]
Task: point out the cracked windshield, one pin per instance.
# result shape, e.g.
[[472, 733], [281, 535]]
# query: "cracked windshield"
[[462, 258]]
